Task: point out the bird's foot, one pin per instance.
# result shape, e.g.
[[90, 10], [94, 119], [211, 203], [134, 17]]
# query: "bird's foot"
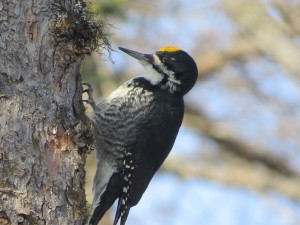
[[89, 92]]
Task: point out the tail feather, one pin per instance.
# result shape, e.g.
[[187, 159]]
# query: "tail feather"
[[112, 192], [124, 216], [118, 213], [122, 212], [98, 213]]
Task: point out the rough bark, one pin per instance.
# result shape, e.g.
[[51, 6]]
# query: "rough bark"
[[41, 163]]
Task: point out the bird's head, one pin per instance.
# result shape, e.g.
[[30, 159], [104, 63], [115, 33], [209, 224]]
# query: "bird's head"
[[170, 68]]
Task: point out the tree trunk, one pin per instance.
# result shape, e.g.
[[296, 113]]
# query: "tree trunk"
[[42, 122]]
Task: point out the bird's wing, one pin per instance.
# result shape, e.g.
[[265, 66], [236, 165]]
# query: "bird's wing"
[[153, 143], [153, 147]]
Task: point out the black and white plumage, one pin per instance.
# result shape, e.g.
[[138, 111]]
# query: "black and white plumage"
[[136, 127]]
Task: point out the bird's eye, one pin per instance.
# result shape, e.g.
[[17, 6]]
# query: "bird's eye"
[[166, 59]]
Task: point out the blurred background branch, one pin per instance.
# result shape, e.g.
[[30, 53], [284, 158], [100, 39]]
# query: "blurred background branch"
[[268, 35]]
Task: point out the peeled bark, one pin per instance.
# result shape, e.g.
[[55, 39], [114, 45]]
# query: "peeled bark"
[[42, 121]]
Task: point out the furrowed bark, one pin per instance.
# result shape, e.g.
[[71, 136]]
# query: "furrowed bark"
[[43, 128]]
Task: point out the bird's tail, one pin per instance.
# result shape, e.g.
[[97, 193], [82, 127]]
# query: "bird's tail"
[[106, 199], [122, 211], [118, 213], [98, 213]]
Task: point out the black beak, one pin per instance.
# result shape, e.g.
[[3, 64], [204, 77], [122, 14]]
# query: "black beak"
[[139, 56]]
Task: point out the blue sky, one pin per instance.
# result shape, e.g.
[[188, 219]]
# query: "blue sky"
[[170, 200]]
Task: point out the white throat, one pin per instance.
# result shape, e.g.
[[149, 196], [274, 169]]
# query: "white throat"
[[152, 75]]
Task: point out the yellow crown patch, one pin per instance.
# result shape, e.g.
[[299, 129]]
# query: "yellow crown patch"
[[169, 49]]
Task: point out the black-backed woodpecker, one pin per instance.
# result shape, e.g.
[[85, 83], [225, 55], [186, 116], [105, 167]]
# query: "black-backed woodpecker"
[[135, 128]]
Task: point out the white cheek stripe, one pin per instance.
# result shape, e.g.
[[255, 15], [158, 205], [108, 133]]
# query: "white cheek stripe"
[[172, 79], [170, 74]]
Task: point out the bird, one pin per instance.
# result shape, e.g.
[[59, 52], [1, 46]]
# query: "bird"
[[135, 128]]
